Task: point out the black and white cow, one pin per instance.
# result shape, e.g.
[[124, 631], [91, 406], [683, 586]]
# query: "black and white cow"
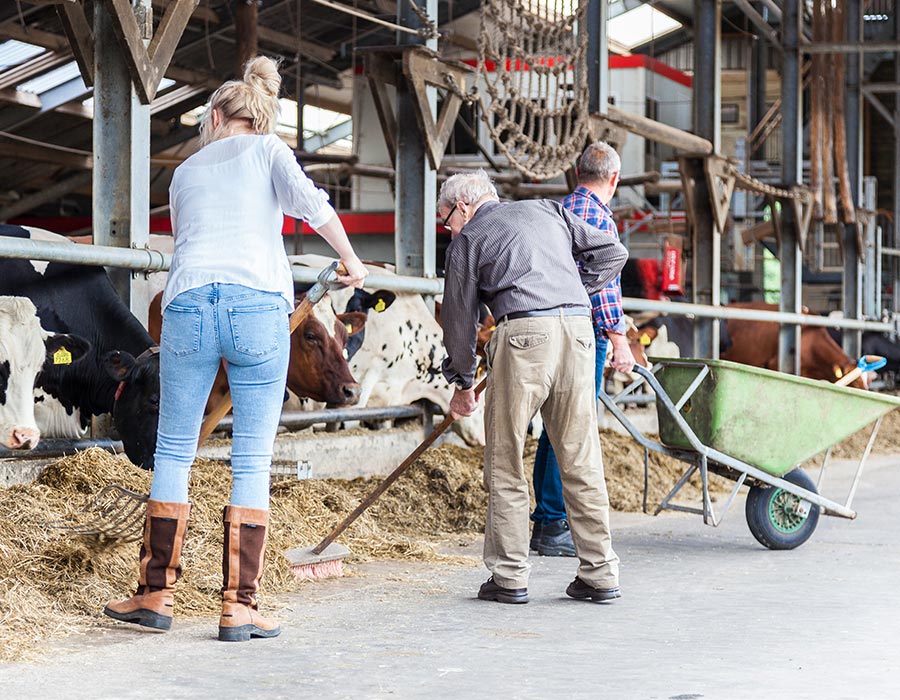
[[25, 349], [118, 375]]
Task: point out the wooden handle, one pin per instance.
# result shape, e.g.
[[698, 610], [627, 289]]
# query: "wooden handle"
[[392, 477], [304, 309]]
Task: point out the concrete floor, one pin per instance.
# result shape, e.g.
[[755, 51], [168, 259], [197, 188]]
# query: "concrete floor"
[[706, 613]]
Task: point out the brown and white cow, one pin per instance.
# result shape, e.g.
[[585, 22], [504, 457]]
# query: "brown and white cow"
[[318, 366], [756, 343], [25, 348]]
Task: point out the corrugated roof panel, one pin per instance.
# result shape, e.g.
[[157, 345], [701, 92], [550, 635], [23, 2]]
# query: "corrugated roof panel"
[[52, 79], [13, 52]]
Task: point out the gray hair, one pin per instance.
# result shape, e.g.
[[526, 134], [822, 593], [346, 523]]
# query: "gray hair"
[[598, 163], [466, 187]]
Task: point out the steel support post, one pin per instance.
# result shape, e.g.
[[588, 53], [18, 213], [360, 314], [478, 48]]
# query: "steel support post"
[[705, 236], [894, 240], [852, 290], [792, 151], [757, 82], [121, 180], [597, 56], [416, 181]]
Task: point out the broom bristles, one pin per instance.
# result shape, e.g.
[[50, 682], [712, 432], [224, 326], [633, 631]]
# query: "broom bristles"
[[318, 570]]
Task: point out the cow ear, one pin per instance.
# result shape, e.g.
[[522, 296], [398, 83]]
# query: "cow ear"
[[354, 321], [118, 364], [64, 348], [380, 300]]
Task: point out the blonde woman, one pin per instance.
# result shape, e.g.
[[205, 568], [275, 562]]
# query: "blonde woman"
[[228, 296]]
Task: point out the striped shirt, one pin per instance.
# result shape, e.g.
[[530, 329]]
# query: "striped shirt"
[[519, 256], [607, 303]]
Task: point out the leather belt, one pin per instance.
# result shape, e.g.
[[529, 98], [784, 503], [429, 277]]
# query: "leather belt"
[[559, 311]]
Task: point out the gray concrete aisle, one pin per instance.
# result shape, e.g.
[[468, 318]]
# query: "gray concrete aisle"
[[706, 613]]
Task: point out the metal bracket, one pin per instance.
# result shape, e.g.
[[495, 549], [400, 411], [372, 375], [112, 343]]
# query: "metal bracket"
[[803, 209], [147, 65], [720, 180], [423, 67]]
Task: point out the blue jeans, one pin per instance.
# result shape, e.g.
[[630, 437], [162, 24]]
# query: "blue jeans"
[[548, 496], [249, 330]]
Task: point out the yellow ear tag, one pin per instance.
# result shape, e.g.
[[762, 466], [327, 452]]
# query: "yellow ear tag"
[[380, 306], [838, 372], [62, 357], [645, 339], [349, 327]]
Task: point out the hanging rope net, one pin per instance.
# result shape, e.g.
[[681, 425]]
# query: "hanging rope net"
[[532, 64]]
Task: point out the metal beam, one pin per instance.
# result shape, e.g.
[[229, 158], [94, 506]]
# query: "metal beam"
[[759, 22], [416, 180], [789, 254], [854, 46], [597, 56], [335, 133], [121, 130], [852, 288], [705, 236]]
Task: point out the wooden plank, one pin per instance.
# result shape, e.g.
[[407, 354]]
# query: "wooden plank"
[[848, 207], [659, 132], [29, 35], [167, 36], [131, 40], [81, 38], [246, 16], [45, 154], [304, 47]]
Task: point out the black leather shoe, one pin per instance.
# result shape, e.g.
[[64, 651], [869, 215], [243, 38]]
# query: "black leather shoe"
[[579, 590], [491, 591], [554, 539]]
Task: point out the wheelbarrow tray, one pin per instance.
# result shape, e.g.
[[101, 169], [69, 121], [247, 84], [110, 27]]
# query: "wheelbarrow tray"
[[772, 420]]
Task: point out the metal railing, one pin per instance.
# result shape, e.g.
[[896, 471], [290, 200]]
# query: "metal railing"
[[149, 260]]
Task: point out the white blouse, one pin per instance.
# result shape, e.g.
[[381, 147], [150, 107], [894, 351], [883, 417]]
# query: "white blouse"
[[227, 203]]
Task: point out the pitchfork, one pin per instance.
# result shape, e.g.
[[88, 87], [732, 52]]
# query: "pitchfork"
[[116, 514]]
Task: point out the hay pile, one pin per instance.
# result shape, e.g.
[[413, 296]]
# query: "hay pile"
[[52, 583]]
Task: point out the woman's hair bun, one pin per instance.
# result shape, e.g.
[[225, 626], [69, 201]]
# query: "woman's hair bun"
[[261, 73]]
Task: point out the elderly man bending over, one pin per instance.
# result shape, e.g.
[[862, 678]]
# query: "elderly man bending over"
[[520, 259]]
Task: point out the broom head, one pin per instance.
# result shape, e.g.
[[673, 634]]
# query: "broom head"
[[306, 565]]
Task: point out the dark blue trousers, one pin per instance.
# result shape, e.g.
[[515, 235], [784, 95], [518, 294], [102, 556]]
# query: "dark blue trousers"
[[548, 493]]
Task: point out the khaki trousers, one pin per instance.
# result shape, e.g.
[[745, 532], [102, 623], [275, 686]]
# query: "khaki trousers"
[[545, 363]]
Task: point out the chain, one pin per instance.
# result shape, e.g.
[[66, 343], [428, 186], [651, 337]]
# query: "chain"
[[429, 29], [745, 182]]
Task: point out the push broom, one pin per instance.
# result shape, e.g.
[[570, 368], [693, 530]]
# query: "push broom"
[[325, 559]]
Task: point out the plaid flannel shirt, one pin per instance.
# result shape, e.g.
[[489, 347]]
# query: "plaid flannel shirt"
[[607, 303]]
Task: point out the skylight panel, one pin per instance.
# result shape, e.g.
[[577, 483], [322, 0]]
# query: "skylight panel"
[[13, 52], [640, 25]]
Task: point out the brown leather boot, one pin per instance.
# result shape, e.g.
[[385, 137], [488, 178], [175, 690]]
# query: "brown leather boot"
[[151, 605], [242, 564]]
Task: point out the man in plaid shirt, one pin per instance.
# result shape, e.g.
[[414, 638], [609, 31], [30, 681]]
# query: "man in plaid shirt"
[[598, 176]]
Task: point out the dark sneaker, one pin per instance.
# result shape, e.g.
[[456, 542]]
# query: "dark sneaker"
[[536, 531], [579, 590], [491, 591], [554, 540]]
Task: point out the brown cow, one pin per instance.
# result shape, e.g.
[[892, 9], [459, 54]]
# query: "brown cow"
[[756, 343], [318, 366]]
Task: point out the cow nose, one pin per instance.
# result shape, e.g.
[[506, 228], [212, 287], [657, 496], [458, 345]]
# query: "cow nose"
[[24, 439], [350, 392]]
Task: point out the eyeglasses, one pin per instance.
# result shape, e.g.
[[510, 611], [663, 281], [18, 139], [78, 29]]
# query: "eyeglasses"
[[446, 222]]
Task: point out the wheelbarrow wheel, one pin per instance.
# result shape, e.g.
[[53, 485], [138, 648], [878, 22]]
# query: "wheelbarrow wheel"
[[779, 519]]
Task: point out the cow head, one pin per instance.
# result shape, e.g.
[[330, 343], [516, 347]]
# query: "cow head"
[[25, 350], [318, 367], [136, 407], [364, 301]]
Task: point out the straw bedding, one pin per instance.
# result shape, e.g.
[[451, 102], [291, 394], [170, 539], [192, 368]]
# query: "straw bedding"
[[52, 583]]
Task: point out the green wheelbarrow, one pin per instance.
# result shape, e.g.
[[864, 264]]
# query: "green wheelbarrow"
[[756, 427]]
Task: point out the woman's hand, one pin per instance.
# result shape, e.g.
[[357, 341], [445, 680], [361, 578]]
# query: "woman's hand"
[[356, 272]]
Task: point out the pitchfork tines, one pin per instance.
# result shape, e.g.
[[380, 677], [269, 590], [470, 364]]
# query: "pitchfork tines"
[[115, 514]]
